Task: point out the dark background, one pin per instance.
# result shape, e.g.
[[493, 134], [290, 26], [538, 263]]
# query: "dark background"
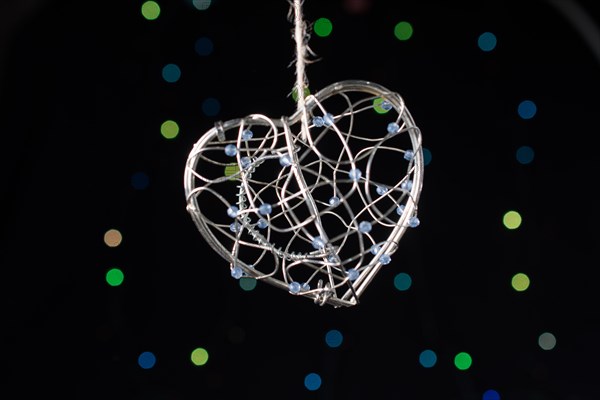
[[82, 100]]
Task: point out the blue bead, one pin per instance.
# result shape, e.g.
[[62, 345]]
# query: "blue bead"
[[406, 185], [400, 209], [352, 274], [409, 155], [328, 119], [237, 272], [334, 201], [304, 287], [386, 105], [318, 121], [393, 127], [375, 249], [232, 211], [262, 223], [234, 227], [265, 209], [413, 222], [318, 243], [285, 160], [230, 150], [245, 161], [355, 174], [381, 190], [294, 287], [365, 227], [247, 134], [385, 259]]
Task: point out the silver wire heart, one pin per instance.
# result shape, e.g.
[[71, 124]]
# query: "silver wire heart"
[[317, 215]]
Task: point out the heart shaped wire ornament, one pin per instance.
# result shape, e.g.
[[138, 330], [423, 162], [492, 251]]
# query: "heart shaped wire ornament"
[[316, 203]]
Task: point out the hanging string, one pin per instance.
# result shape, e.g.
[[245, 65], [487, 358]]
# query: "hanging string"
[[300, 37]]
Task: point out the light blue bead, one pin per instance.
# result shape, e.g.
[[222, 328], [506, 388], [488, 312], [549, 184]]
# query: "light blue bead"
[[409, 155], [400, 209], [247, 134], [318, 243], [294, 287], [332, 259], [386, 105], [406, 185], [232, 211], [237, 272], [352, 274], [355, 174], [318, 121], [393, 127], [265, 209], [234, 227], [245, 161], [305, 287], [334, 201], [381, 190], [413, 222], [328, 119], [365, 227], [231, 150], [262, 223], [375, 249], [285, 160], [385, 259]]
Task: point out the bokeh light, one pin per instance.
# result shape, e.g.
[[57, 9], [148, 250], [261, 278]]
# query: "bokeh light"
[[490, 394], [547, 341], [426, 156], [204, 46], [463, 361], [202, 5], [487, 41], [512, 219], [150, 10], [295, 93], [334, 338], [378, 106], [527, 109], [114, 277], [520, 282], [199, 356], [403, 30], [402, 281], [113, 238], [247, 284], [139, 180], [312, 381], [428, 358], [211, 107], [146, 360], [171, 73], [169, 129], [323, 27], [525, 154]]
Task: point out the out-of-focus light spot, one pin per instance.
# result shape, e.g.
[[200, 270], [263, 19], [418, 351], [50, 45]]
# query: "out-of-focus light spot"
[[295, 93], [199, 356], [114, 277], [150, 10], [113, 238], [211, 107], [236, 335], [402, 281], [312, 381], [357, 6], [512, 220], [520, 282], [490, 394], [204, 46], [547, 341], [487, 41], [525, 154], [427, 358], [381, 106], [247, 284], [231, 169], [171, 73], [146, 360], [527, 109], [426, 156], [334, 338], [463, 361], [140, 180], [169, 129], [403, 30], [323, 27], [202, 4]]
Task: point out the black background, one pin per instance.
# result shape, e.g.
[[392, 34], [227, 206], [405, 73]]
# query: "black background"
[[82, 102]]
